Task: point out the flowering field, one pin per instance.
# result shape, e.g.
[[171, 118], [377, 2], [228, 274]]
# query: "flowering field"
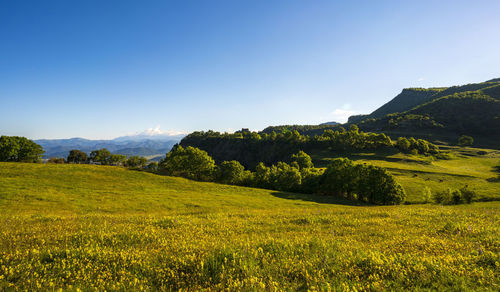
[[105, 228]]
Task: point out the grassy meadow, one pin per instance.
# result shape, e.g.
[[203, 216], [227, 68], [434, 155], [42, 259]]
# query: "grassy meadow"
[[479, 169], [84, 227]]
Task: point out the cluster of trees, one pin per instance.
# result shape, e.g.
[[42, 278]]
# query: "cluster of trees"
[[342, 178], [454, 197], [19, 149], [470, 112], [104, 157], [416, 146], [250, 148]]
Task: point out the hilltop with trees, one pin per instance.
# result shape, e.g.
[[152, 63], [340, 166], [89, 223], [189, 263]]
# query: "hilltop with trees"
[[440, 113]]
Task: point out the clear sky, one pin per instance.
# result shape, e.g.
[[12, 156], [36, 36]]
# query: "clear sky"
[[102, 69]]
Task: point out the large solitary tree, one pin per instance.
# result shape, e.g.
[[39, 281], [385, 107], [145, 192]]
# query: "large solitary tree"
[[20, 149]]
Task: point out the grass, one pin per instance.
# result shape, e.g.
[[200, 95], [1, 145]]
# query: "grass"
[[106, 228], [476, 168]]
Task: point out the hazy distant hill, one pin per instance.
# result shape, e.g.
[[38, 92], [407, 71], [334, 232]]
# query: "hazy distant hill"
[[143, 145], [330, 123]]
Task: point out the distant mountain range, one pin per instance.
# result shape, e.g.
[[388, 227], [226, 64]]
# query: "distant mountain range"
[[148, 143]]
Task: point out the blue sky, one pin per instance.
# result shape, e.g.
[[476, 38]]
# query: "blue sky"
[[102, 69]]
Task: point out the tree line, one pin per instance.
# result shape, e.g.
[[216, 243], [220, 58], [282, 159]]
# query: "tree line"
[[21, 149], [250, 148], [342, 178], [104, 157]]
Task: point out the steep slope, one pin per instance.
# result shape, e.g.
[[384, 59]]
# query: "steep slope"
[[407, 99], [472, 109], [413, 97]]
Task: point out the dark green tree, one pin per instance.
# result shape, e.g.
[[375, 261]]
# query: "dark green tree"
[[377, 186], [102, 156], [403, 144], [136, 162], [152, 166], [465, 140], [340, 178], [231, 172], [77, 156], [303, 160], [20, 149], [285, 177]]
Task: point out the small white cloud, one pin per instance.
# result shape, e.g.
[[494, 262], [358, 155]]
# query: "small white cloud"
[[341, 115], [346, 106], [421, 79]]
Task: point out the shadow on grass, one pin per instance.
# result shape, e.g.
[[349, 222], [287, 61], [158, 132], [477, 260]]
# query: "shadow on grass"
[[495, 179], [318, 199], [321, 159]]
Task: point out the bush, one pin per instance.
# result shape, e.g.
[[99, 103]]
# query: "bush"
[[117, 159], [465, 140], [463, 195], [136, 162], [456, 197], [467, 195], [56, 160], [152, 166], [443, 197], [426, 194]]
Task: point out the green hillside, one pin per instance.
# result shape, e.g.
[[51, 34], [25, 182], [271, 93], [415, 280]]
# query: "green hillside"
[[412, 97], [81, 227], [476, 168], [441, 114]]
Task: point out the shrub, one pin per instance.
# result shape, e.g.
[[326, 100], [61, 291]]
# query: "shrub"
[[426, 194], [443, 197], [56, 160], [137, 162], [465, 140], [467, 195], [456, 197], [117, 159], [152, 166]]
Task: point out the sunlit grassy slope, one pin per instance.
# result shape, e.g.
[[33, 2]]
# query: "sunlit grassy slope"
[[479, 169], [107, 228]]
